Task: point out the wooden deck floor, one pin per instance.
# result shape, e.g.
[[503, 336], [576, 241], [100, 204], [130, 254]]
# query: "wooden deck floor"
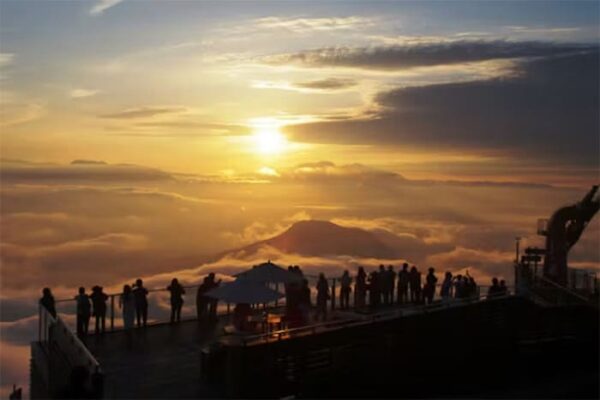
[[164, 360], [160, 361]]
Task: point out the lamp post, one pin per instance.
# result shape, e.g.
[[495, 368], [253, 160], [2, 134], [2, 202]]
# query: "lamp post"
[[517, 244]]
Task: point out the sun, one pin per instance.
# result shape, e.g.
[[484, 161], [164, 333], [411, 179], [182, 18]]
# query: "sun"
[[268, 139]]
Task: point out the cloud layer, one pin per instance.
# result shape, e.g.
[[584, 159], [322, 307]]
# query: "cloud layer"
[[515, 115]]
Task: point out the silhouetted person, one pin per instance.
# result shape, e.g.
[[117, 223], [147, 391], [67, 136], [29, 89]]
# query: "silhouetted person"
[[127, 304], [99, 302], [304, 302], [403, 281], [47, 301], [202, 300], [16, 394], [322, 297], [429, 289], [374, 292], [84, 311], [446, 289], [503, 288], [360, 288], [212, 303], [473, 290], [140, 294], [383, 285], [415, 285], [494, 290], [391, 283], [345, 282], [459, 287], [177, 291], [298, 271]]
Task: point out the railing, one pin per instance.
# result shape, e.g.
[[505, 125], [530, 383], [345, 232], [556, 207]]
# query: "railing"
[[159, 308], [64, 351], [531, 282], [555, 294], [376, 316]]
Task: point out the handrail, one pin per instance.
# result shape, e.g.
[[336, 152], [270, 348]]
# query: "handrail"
[[382, 316], [58, 322], [561, 288]]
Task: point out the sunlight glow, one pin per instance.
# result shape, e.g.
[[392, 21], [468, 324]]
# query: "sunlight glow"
[[267, 138]]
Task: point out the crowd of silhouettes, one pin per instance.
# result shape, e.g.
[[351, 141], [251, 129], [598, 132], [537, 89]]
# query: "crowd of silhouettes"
[[382, 287]]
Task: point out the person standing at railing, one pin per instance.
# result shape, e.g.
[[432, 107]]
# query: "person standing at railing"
[[360, 289], [212, 304], [99, 302], [83, 312], [446, 289], [429, 288], [374, 292], [304, 302], [495, 289], [403, 280], [473, 288], [177, 291], [47, 301], [459, 287], [345, 282], [503, 288], [202, 300], [391, 283], [127, 304], [140, 295], [322, 297], [383, 285], [415, 285]]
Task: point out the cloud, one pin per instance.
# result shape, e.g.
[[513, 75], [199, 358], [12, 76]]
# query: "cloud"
[[329, 172], [327, 84], [82, 93], [304, 25], [145, 112], [6, 59], [399, 57], [548, 110], [103, 5], [319, 85], [20, 112], [481, 264], [80, 171], [542, 30]]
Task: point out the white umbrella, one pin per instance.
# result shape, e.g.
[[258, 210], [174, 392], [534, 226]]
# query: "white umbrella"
[[269, 272], [244, 291]]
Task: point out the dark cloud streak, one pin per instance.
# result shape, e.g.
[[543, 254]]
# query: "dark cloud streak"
[[421, 55]]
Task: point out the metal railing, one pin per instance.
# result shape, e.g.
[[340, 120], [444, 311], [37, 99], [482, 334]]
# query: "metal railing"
[[64, 352], [383, 315], [55, 332], [159, 308]]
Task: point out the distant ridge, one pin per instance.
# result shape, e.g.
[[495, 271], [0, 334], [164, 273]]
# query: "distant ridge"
[[324, 238]]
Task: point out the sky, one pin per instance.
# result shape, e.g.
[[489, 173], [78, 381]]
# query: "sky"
[[463, 90], [158, 139]]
